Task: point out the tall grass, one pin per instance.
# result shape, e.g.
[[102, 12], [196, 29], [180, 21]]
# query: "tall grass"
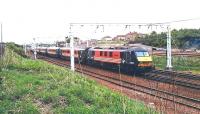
[[8, 58], [30, 86], [179, 63]]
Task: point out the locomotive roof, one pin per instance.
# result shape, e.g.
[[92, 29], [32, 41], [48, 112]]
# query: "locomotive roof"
[[101, 49], [120, 50], [53, 48], [137, 49], [69, 48], [42, 48]]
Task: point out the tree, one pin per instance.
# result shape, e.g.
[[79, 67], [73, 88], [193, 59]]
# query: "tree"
[[179, 38]]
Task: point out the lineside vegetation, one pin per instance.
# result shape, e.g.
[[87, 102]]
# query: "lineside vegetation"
[[34, 86], [179, 63]]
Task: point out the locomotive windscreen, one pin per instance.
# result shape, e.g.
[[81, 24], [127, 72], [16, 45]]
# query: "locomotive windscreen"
[[142, 54]]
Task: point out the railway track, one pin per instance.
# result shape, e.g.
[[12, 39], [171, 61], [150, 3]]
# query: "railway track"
[[172, 77], [180, 74], [177, 78], [179, 54], [165, 95]]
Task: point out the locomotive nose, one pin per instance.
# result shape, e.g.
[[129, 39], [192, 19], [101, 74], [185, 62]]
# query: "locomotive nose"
[[144, 59]]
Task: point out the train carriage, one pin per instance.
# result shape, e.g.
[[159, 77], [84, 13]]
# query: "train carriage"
[[53, 52], [42, 51], [65, 53]]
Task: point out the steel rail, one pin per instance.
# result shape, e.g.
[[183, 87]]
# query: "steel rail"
[[128, 85]]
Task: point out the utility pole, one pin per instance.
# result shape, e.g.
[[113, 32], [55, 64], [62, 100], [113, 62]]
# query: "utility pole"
[[1, 33], [35, 53], [1, 41], [169, 50], [87, 44], [71, 48], [25, 49]]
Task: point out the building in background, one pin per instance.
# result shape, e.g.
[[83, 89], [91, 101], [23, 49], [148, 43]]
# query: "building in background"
[[107, 38], [131, 36], [120, 37]]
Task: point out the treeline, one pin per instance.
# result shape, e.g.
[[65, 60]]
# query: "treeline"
[[180, 38]]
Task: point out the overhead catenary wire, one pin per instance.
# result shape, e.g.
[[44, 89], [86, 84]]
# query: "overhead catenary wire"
[[181, 20], [149, 25], [139, 24]]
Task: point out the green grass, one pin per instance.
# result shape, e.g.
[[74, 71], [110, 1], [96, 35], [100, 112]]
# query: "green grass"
[[27, 86], [179, 63]]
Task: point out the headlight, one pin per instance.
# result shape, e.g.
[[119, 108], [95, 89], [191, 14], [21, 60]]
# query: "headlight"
[[145, 64]]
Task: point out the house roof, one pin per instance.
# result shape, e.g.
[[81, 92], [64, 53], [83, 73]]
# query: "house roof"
[[107, 37], [120, 35]]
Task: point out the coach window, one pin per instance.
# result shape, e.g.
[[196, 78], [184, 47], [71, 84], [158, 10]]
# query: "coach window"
[[105, 53], [110, 54], [101, 53]]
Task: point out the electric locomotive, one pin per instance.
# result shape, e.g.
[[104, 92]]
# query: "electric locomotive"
[[134, 59]]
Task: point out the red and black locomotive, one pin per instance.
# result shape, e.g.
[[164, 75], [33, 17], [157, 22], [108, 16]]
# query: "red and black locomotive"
[[134, 59]]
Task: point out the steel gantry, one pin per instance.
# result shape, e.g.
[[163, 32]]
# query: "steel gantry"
[[169, 57]]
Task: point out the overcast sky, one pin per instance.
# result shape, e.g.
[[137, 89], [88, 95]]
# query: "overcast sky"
[[48, 20]]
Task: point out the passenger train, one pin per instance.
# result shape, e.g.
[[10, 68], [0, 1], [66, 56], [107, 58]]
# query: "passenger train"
[[133, 59]]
